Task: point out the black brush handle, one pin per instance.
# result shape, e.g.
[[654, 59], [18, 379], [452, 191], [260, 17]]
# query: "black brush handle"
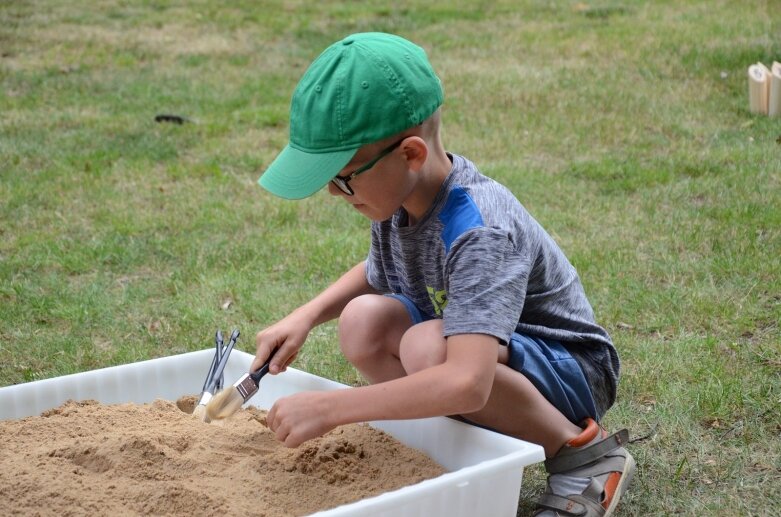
[[263, 370]]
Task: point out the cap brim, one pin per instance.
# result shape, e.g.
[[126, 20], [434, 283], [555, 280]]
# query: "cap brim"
[[296, 174]]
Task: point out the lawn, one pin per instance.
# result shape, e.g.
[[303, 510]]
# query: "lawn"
[[623, 127]]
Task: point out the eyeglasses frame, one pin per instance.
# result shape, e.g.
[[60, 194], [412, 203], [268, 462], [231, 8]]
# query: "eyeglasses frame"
[[343, 182]]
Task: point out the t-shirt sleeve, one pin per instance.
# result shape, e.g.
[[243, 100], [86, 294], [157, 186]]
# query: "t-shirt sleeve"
[[487, 275]]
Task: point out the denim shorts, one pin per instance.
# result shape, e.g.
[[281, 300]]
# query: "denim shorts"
[[546, 363]]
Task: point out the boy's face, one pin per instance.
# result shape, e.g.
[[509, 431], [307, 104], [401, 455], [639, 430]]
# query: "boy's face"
[[382, 183]]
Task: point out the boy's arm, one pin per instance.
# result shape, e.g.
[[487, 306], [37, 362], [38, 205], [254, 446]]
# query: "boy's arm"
[[288, 334], [460, 385]]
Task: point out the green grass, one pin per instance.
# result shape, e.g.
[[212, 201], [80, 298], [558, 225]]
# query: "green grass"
[[622, 126]]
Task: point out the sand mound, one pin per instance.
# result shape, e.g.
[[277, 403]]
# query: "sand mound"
[[85, 457]]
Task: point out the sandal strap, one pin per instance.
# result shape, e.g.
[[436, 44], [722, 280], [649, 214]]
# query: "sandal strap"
[[572, 506], [571, 458]]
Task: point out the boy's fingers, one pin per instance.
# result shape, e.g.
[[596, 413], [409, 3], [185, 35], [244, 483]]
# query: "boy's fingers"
[[281, 432], [271, 417], [286, 345], [282, 364], [263, 349], [277, 363]]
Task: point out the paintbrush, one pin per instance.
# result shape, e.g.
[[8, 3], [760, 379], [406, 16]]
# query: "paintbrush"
[[214, 377], [200, 408], [228, 401]]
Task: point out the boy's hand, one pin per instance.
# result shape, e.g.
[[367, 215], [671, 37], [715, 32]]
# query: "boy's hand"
[[287, 336], [300, 417]]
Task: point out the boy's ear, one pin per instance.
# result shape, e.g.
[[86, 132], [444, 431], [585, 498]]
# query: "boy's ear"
[[415, 151]]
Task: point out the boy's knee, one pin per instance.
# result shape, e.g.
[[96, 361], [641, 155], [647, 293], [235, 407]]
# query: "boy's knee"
[[371, 323], [357, 315], [423, 346]]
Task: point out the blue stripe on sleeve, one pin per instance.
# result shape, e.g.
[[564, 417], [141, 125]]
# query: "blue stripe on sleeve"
[[459, 215]]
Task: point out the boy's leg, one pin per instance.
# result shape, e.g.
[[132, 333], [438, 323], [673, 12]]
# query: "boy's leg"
[[589, 469], [384, 338], [377, 336], [370, 330], [515, 407]]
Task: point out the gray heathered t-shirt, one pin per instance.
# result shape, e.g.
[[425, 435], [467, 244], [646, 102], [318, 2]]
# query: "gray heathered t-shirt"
[[480, 262]]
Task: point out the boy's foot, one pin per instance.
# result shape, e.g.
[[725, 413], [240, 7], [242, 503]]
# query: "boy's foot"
[[588, 475]]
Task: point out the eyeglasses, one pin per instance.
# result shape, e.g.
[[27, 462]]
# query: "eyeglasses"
[[342, 182]]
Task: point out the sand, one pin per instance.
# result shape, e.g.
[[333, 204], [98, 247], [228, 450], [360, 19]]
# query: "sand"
[[89, 458]]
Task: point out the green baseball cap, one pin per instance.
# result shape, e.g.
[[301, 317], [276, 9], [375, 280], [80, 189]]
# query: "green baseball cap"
[[360, 90]]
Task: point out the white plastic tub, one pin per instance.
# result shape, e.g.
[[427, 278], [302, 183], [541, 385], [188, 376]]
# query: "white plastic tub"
[[484, 468]]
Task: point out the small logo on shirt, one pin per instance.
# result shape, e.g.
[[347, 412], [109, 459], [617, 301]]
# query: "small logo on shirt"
[[438, 300]]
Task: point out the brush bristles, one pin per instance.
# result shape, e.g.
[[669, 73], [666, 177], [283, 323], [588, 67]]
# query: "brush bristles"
[[224, 404], [200, 413]]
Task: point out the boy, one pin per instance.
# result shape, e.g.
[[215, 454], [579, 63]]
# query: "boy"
[[464, 307]]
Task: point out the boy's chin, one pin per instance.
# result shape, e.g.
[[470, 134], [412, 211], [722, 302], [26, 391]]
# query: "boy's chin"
[[377, 217], [370, 213]]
